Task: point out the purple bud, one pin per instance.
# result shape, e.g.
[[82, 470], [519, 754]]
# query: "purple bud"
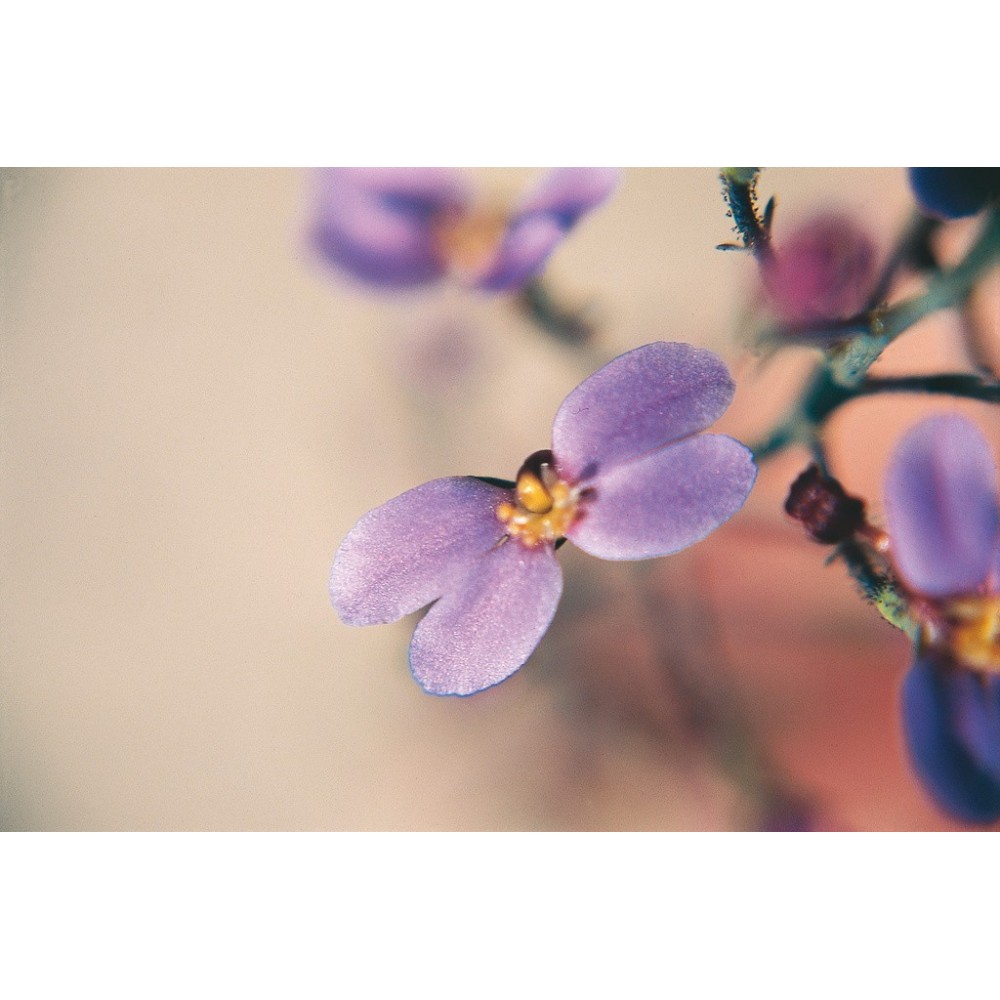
[[824, 271]]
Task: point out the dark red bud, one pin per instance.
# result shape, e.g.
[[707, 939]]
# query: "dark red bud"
[[827, 513]]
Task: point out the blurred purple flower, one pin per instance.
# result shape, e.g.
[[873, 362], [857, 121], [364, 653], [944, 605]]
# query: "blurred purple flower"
[[954, 192], [944, 526], [629, 476], [825, 270], [406, 227]]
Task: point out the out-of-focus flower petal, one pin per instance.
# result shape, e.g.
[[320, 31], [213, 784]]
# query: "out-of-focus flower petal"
[[977, 709], [378, 225], [490, 623], [424, 189], [522, 254], [941, 506], [569, 192], [541, 222], [666, 500], [824, 271], [949, 770], [408, 552], [954, 192], [640, 401]]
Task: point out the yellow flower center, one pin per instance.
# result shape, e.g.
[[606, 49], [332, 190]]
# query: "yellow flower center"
[[973, 632], [546, 506], [467, 240]]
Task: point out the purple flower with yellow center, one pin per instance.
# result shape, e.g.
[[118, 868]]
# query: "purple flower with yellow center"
[[629, 476], [944, 527], [396, 228]]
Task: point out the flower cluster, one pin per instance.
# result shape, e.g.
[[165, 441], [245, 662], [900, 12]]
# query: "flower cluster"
[[629, 476], [943, 512], [632, 474]]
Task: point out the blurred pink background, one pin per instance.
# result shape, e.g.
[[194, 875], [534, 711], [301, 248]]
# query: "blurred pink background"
[[195, 412]]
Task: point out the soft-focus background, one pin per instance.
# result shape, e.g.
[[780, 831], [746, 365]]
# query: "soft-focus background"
[[194, 412]]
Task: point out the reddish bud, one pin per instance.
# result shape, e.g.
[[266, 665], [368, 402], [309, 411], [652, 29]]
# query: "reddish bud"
[[825, 270], [826, 511]]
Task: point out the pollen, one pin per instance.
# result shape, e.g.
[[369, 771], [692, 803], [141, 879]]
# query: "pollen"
[[973, 633], [545, 505], [468, 240]]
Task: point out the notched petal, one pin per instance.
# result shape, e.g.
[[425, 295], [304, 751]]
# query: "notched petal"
[[667, 500], [639, 402], [490, 623], [408, 552]]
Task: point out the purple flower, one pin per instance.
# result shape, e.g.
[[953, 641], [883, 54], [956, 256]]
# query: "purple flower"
[[954, 192], [406, 227], [628, 477], [944, 526], [825, 270]]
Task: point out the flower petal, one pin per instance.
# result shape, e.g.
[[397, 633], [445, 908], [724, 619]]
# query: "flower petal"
[[640, 401], [954, 192], [945, 764], [541, 222], [941, 506], [569, 192], [482, 631], [522, 253], [977, 705], [404, 554], [666, 500], [378, 225]]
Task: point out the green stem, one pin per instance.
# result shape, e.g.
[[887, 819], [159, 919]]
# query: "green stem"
[[852, 360], [739, 186], [570, 326], [843, 375], [964, 386], [951, 287]]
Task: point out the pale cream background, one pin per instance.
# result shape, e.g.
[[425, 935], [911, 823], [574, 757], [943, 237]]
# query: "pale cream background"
[[194, 413]]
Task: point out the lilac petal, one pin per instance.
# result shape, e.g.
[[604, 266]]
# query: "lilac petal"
[[522, 254], [379, 225], [482, 631], [541, 222], [941, 506], [420, 188], [948, 769], [408, 552], [640, 401], [569, 192], [666, 500]]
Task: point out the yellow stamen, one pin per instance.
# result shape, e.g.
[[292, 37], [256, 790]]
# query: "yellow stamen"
[[532, 494], [468, 240], [974, 632], [545, 507]]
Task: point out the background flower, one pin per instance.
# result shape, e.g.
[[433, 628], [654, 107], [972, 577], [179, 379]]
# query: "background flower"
[[954, 192], [407, 227]]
